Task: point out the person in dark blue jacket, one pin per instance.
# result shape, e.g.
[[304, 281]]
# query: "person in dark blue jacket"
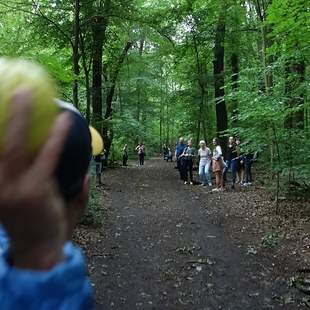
[[40, 202], [179, 149]]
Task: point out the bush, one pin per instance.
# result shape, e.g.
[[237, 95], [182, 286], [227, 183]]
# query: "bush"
[[93, 213]]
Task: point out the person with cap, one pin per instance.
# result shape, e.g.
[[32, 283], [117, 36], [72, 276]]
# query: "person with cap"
[[41, 201], [141, 153]]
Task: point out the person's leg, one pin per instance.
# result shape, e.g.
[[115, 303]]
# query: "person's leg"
[[250, 171], [234, 172], [207, 173], [142, 159], [225, 170], [201, 173], [190, 169], [185, 170], [218, 179], [247, 171], [181, 168]]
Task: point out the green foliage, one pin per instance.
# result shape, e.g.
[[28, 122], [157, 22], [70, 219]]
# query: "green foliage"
[[165, 86], [271, 240], [93, 213]]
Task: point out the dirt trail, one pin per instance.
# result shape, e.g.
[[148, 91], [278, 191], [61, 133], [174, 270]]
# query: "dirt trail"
[[164, 245]]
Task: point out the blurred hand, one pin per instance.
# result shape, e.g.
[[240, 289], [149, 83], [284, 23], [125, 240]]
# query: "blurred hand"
[[31, 208]]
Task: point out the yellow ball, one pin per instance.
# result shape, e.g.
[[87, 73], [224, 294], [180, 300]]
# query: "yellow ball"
[[19, 74]]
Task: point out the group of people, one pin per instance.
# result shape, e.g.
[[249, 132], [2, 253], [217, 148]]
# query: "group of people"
[[215, 161], [167, 153], [140, 149]]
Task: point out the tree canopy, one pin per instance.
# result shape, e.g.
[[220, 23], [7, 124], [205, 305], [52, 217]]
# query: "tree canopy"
[[156, 70]]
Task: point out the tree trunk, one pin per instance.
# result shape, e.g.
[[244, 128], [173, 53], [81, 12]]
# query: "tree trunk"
[[75, 54], [86, 69], [141, 47], [267, 60], [98, 32], [218, 69], [295, 76], [109, 99], [234, 84], [99, 26], [261, 7], [161, 124]]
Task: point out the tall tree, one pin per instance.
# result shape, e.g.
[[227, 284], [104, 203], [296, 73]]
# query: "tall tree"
[[219, 77]]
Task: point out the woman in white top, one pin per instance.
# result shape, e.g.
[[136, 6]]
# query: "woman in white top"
[[205, 156], [217, 163]]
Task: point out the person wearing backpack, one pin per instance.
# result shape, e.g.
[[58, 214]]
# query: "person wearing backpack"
[[179, 149], [141, 153], [187, 167]]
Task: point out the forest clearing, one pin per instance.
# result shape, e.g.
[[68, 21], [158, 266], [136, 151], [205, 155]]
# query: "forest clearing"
[[220, 89]]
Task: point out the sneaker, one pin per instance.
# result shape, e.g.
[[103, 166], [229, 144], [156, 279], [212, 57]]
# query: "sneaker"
[[215, 189], [191, 183], [249, 183], [210, 184], [185, 183], [202, 184]]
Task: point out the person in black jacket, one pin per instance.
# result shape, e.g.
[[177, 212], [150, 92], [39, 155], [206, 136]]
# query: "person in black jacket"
[[125, 155], [230, 162]]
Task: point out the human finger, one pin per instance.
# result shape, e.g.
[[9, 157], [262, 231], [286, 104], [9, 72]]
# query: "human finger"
[[13, 157], [47, 159]]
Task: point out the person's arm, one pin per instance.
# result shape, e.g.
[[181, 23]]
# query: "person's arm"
[[184, 153], [4, 241], [37, 271], [209, 153], [219, 152], [64, 286]]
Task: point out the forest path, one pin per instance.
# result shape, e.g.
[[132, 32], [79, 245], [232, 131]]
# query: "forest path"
[[165, 245]]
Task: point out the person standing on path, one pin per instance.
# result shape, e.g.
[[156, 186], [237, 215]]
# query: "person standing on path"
[[178, 152], [240, 162], [230, 162], [248, 160], [165, 151], [217, 163], [141, 153], [187, 167], [125, 155], [205, 156]]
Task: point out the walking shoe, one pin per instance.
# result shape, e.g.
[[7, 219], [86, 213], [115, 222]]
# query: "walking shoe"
[[210, 184], [215, 189], [191, 183], [185, 183]]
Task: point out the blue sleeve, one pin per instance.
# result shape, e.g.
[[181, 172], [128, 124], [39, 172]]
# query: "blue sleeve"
[[64, 287], [4, 241]]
